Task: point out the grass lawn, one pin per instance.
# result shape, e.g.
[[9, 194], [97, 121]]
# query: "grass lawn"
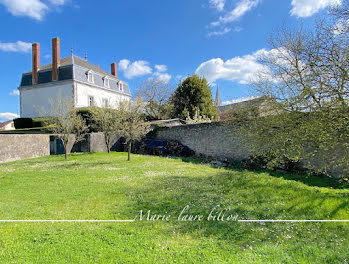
[[102, 186]]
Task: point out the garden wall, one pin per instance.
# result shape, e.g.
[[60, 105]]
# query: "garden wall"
[[94, 142], [208, 139], [16, 147], [225, 142]]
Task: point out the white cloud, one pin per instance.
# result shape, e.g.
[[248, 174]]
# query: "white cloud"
[[8, 116], [134, 69], [161, 68], [123, 64], [239, 11], [164, 77], [219, 32], [141, 68], [307, 8], [341, 27], [239, 100], [218, 4], [240, 69], [35, 9], [14, 93], [58, 2], [18, 46], [31, 8], [179, 76]]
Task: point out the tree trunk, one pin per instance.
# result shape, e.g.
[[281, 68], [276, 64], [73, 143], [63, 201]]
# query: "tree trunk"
[[129, 150], [65, 144], [107, 142], [108, 147]]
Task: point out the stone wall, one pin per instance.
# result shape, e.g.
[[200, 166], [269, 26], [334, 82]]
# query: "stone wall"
[[93, 142], [16, 147], [224, 142], [208, 139]]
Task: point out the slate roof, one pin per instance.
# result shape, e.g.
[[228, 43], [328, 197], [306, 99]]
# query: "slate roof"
[[78, 61], [67, 71]]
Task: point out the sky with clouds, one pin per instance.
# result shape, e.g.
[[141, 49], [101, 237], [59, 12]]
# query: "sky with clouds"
[[167, 40]]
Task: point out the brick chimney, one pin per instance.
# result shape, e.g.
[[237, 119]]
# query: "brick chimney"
[[55, 58], [114, 70], [36, 62]]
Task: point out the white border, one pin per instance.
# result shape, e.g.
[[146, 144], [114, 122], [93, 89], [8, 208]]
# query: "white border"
[[129, 221]]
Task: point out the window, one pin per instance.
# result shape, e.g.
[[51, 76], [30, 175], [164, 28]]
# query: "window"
[[105, 103], [90, 77], [121, 86], [106, 82], [91, 101]]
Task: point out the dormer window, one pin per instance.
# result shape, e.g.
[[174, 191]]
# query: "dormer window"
[[90, 78], [106, 82], [121, 86]]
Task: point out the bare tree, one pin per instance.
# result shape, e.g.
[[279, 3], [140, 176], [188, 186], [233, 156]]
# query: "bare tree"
[[107, 121], [133, 127], [68, 124], [341, 15], [305, 70], [155, 93]]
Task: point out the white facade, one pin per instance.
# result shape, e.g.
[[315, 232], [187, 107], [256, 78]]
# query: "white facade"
[[87, 95], [35, 101]]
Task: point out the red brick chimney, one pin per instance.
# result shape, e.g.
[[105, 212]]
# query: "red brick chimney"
[[36, 62], [55, 58], [113, 69]]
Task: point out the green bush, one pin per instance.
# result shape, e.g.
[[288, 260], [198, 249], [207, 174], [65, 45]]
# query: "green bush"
[[87, 114], [39, 122], [21, 123], [43, 121]]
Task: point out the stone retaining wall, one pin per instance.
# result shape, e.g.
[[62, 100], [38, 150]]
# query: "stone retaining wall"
[[16, 147], [208, 139]]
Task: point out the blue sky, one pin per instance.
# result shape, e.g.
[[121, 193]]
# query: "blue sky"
[[218, 39]]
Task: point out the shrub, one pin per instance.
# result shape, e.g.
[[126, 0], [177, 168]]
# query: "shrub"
[[87, 115], [22, 123], [43, 121]]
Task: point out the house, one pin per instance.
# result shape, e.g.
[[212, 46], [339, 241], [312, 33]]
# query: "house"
[[8, 125], [72, 77], [262, 106]]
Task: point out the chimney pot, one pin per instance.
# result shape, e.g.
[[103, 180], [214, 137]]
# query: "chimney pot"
[[36, 62], [114, 70], [55, 58]]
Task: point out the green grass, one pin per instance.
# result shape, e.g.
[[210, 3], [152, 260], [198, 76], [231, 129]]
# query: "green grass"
[[102, 186]]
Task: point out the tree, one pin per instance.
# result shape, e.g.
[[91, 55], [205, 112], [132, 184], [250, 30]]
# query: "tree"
[[198, 119], [133, 127], [341, 13], [67, 122], [307, 72], [155, 93], [192, 95], [107, 121]]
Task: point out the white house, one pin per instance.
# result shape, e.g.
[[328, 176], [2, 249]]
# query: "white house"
[[8, 125], [71, 77]]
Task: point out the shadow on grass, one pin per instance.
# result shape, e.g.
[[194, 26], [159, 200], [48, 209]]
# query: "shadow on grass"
[[308, 179], [249, 198], [70, 163]]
